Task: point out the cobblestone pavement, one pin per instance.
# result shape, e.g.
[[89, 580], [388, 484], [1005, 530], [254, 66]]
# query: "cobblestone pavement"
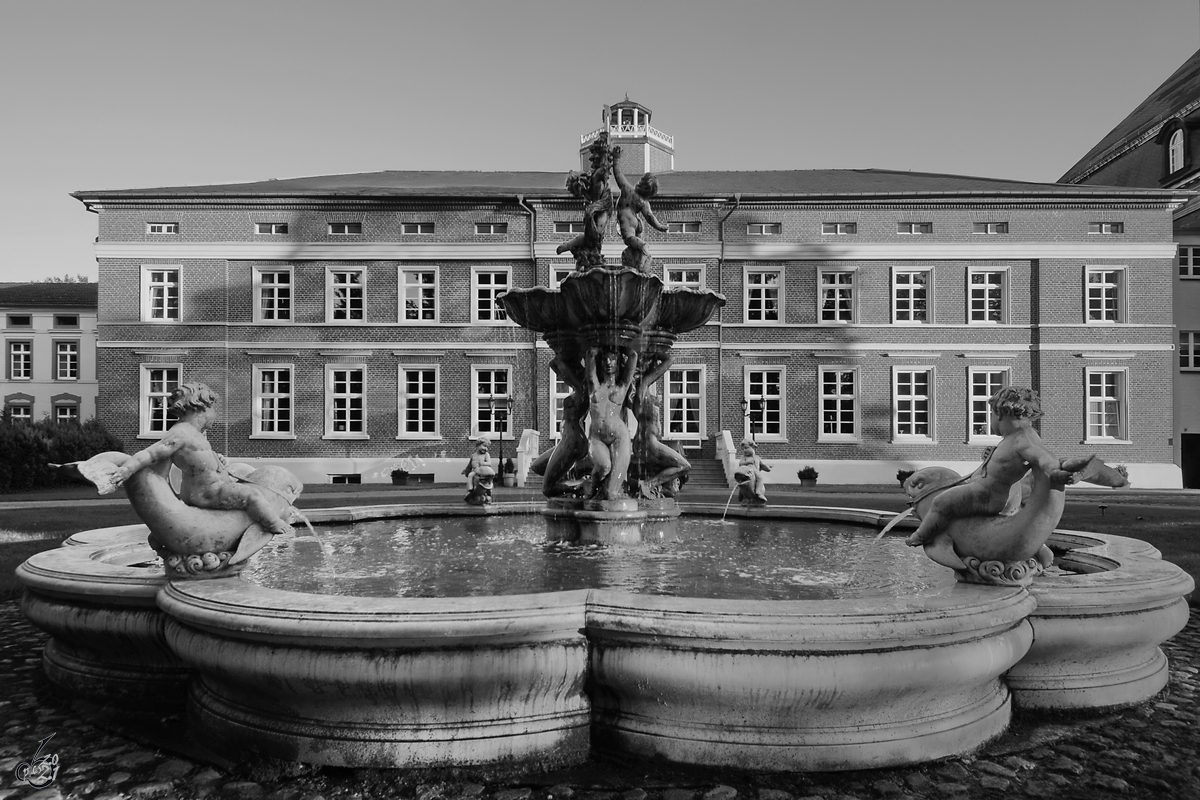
[[1149, 751]]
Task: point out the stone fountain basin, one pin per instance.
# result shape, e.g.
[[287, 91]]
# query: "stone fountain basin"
[[540, 680]]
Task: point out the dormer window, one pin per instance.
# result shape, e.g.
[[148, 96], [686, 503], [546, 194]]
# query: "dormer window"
[[1175, 152]]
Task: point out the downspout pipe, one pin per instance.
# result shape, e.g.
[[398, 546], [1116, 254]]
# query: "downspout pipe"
[[532, 212], [737, 201]]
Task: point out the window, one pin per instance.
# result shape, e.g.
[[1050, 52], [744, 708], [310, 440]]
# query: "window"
[[486, 228], [983, 382], [273, 228], [1106, 404], [417, 228], [989, 227], [345, 228], [764, 229], [158, 228], [20, 320], [1189, 265], [763, 296], [66, 320], [764, 391], [1106, 227], [986, 296], [1104, 294], [20, 412], [350, 478], [914, 228], [273, 401], [66, 413], [568, 227], [683, 276], [683, 227], [1175, 152], [685, 402], [157, 383], [418, 401], [345, 401], [344, 295], [418, 294], [559, 274], [489, 284], [561, 391], [912, 404], [910, 296], [491, 383], [1189, 356], [273, 293], [66, 361], [839, 228], [160, 294], [839, 405], [836, 296], [20, 361]]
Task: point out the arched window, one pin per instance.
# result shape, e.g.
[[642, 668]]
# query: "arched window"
[[1175, 152]]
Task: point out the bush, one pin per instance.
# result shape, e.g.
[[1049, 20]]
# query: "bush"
[[807, 474], [28, 449], [509, 467]]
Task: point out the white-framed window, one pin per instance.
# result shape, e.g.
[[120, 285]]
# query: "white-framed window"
[[912, 404], [66, 413], [345, 296], [1104, 292], [764, 228], [914, 228], [345, 229], [568, 227], [982, 383], [419, 401], [989, 228], [764, 295], [20, 412], [270, 228], [489, 228], [835, 296], [162, 228], [156, 384], [987, 296], [274, 401], [346, 401], [419, 295], [1106, 404], [160, 293], [491, 382], [19, 321], [1189, 356], [1106, 228], [1189, 262], [765, 408], [487, 283], [66, 361], [683, 227], [839, 404], [684, 401], [20, 361], [839, 228], [683, 276], [559, 392], [1175, 152], [911, 295], [416, 228], [559, 273], [66, 320], [272, 294]]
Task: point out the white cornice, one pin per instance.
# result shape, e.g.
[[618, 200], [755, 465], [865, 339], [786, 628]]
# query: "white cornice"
[[613, 250], [943, 251], [318, 251]]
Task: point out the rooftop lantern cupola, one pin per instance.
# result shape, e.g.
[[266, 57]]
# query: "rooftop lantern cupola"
[[643, 148]]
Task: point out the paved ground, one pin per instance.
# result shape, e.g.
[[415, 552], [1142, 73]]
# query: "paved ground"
[[1149, 751]]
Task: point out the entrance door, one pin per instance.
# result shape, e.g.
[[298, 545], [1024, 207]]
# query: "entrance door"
[[1189, 459]]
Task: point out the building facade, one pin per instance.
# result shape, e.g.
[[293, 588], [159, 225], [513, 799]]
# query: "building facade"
[[49, 351], [348, 319]]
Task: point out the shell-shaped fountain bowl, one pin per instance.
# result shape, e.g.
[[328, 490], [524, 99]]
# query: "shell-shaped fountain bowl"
[[536, 309], [610, 296], [683, 310]]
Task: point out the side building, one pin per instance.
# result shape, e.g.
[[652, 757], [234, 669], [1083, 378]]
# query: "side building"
[[49, 351], [349, 319]]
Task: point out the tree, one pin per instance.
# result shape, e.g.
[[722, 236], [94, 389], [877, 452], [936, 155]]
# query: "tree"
[[77, 278]]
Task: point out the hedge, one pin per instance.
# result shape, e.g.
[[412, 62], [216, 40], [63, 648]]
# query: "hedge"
[[28, 448]]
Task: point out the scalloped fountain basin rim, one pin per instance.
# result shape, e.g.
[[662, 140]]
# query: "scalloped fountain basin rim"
[[417, 682]]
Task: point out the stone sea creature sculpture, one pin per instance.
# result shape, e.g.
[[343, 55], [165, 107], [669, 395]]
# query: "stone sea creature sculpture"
[[992, 525], [480, 474], [749, 476], [221, 516], [594, 189], [633, 206]]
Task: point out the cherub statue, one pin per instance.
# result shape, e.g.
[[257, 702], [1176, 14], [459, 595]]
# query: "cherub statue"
[[609, 442], [480, 473], [653, 453], [632, 206], [749, 475], [593, 187]]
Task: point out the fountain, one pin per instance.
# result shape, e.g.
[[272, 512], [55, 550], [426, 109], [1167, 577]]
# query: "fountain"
[[543, 679]]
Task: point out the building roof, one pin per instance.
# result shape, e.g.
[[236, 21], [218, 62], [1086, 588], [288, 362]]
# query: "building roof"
[[48, 295], [800, 184], [1177, 96]]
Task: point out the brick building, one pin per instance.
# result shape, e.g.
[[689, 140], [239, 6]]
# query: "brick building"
[[346, 319], [49, 350], [1158, 145]]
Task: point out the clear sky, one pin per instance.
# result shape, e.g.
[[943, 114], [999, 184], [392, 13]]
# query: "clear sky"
[[116, 94]]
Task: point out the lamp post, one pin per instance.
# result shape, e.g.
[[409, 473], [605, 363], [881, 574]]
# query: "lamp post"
[[495, 405], [752, 409]]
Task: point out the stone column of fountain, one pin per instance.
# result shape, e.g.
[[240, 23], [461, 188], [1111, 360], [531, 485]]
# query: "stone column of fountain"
[[610, 478]]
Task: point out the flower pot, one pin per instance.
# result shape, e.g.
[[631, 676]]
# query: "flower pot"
[[399, 480], [808, 482], [510, 480]]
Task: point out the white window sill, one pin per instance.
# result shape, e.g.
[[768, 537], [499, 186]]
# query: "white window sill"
[[154, 436], [273, 322], [347, 436], [161, 321], [913, 440], [1105, 440], [839, 439], [272, 436], [984, 440], [422, 437]]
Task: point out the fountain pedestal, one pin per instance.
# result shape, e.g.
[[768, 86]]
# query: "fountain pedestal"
[[625, 521]]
